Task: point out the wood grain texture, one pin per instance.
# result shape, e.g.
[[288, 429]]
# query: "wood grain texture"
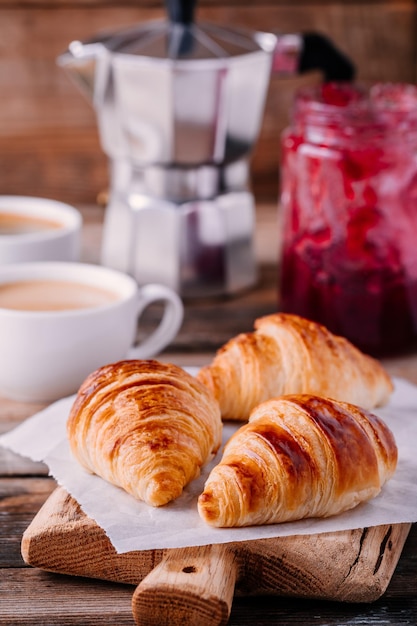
[[20, 500], [349, 566], [30, 596], [58, 600], [84, 549], [49, 143], [189, 587]]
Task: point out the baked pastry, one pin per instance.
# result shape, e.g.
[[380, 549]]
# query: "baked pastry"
[[145, 426], [299, 456], [288, 354]]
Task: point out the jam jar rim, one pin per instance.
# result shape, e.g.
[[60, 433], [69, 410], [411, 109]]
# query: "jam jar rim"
[[362, 117]]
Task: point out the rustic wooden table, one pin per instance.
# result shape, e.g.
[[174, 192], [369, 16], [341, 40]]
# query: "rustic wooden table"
[[28, 595]]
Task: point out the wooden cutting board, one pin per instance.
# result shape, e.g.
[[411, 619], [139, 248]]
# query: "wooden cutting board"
[[195, 586]]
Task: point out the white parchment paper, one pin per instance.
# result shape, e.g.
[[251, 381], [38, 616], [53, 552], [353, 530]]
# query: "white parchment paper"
[[132, 525]]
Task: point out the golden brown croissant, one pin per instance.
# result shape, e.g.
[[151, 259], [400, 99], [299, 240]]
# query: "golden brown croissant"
[[289, 354], [299, 456], [145, 426]]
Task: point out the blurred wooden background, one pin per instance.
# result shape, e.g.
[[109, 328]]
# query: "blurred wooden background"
[[48, 137]]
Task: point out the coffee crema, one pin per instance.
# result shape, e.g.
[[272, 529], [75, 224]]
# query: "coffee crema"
[[23, 224], [53, 295]]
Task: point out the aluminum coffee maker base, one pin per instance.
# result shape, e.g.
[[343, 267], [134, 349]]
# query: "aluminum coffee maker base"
[[200, 248]]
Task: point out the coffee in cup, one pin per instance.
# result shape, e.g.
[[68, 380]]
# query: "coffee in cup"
[[61, 321], [12, 223], [53, 295], [38, 229]]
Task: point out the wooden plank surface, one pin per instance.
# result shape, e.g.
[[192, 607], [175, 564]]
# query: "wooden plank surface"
[[350, 566], [58, 600], [29, 594]]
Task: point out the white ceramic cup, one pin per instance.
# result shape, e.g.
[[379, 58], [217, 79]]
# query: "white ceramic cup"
[[45, 355], [38, 229]]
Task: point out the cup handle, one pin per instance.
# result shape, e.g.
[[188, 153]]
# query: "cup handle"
[[168, 326]]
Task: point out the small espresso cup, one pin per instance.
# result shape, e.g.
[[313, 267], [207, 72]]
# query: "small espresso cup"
[[61, 321], [38, 229]]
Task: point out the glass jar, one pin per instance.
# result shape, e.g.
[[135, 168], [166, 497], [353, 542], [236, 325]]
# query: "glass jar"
[[349, 207]]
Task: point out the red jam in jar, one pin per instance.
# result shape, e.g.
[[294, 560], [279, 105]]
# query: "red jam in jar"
[[349, 208]]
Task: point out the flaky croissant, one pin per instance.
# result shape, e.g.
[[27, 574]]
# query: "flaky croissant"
[[145, 426], [289, 354], [299, 456]]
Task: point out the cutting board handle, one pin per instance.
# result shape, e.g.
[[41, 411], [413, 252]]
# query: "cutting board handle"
[[189, 587]]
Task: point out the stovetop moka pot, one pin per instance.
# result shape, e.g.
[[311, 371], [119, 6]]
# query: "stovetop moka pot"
[[179, 106]]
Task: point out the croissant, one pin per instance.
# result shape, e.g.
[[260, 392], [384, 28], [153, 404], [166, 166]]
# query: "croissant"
[[288, 354], [145, 426], [299, 456]]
